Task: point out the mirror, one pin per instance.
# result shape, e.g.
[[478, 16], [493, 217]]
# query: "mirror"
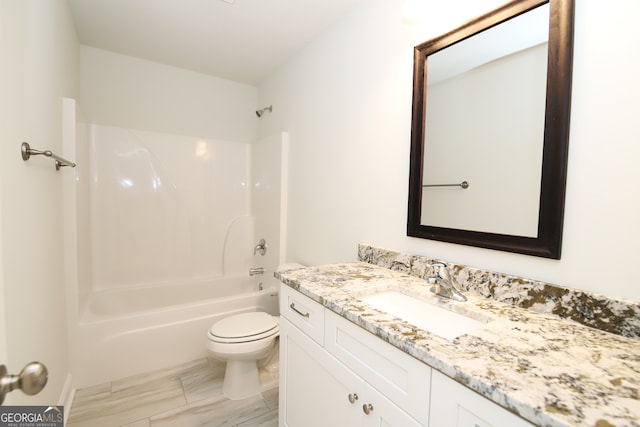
[[490, 128]]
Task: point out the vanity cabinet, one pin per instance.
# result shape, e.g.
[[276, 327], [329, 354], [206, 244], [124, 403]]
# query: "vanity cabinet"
[[335, 373], [318, 389]]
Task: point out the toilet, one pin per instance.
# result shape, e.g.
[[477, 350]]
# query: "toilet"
[[242, 340]]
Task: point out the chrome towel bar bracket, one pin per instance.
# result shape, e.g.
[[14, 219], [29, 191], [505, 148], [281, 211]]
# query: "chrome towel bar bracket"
[[27, 152]]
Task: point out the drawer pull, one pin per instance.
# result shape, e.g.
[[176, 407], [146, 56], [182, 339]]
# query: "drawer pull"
[[293, 307], [353, 397], [367, 408]]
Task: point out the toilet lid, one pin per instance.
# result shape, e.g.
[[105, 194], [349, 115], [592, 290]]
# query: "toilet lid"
[[245, 326]]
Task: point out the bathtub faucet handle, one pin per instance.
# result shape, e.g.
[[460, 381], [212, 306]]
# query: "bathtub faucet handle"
[[256, 270], [260, 247]]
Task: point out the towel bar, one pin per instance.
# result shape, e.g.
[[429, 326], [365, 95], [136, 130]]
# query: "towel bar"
[[27, 152]]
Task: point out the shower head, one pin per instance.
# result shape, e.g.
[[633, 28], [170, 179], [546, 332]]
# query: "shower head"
[[259, 113]]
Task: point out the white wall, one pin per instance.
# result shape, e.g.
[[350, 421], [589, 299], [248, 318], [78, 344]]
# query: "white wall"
[[124, 91], [346, 102], [39, 53]]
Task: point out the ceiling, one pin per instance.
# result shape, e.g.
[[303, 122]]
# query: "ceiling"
[[240, 40]]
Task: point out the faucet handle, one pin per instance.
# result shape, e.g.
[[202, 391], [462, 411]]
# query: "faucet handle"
[[442, 272], [444, 284], [260, 247]]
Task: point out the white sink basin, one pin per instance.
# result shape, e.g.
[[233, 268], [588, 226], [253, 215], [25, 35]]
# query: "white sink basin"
[[427, 316]]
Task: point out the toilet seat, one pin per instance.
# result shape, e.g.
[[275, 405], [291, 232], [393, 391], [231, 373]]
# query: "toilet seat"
[[241, 341], [245, 327]]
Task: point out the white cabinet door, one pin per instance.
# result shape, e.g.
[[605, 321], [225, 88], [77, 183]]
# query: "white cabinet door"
[[399, 377], [318, 390], [383, 413], [454, 405], [315, 388]]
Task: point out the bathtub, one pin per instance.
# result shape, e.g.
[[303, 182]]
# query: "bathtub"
[[124, 332]]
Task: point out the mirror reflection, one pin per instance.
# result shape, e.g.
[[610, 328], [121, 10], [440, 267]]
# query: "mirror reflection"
[[484, 124]]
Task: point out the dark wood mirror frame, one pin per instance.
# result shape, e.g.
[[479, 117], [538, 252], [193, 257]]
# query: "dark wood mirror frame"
[[556, 133]]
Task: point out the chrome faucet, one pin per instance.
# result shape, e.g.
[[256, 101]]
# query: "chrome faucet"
[[256, 270], [260, 247], [443, 284]]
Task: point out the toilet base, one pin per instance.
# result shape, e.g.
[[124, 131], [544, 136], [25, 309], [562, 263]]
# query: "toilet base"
[[241, 379]]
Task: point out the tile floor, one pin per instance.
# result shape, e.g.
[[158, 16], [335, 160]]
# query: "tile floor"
[[186, 395]]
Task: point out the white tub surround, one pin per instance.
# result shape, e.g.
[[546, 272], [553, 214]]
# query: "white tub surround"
[[548, 370]]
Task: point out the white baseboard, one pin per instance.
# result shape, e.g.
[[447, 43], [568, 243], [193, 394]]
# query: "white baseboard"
[[66, 397]]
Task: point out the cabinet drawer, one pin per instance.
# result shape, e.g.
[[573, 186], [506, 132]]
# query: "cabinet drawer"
[[303, 312], [403, 379]]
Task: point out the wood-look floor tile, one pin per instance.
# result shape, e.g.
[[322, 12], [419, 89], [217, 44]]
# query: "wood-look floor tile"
[[218, 412], [185, 395], [93, 393], [271, 397], [129, 404], [266, 419], [140, 423], [203, 382], [149, 378]]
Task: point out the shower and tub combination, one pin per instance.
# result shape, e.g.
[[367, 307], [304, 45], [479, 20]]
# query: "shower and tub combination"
[[161, 233]]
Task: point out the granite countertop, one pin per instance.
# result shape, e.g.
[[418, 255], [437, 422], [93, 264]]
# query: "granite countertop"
[[548, 370]]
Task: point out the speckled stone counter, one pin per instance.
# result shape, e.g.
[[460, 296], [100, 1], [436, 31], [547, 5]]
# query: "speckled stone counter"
[[618, 316], [548, 370]]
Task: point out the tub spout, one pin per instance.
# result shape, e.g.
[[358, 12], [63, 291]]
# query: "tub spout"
[[256, 270]]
